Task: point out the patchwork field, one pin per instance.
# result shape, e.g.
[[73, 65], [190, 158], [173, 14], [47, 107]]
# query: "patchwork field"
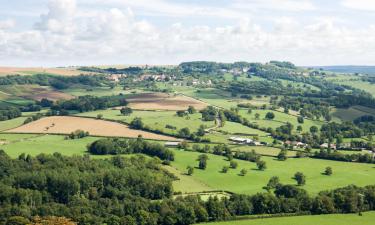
[[254, 181], [33, 92], [66, 125], [335, 219], [161, 101]]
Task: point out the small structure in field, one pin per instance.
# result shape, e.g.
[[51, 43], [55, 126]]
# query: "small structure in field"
[[246, 141], [172, 144], [326, 145]]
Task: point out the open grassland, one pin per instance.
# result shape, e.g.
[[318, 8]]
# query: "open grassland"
[[280, 119], [262, 150], [343, 173], [17, 144], [162, 101], [187, 184], [101, 91], [237, 128], [38, 70], [10, 124], [367, 218], [156, 120], [67, 124]]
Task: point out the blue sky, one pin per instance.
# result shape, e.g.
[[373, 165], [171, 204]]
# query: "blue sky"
[[92, 32]]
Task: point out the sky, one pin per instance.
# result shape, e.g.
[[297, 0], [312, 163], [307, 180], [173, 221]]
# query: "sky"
[[108, 32]]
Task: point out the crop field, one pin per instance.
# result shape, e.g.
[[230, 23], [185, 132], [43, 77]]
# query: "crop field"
[[367, 218], [280, 119], [155, 119], [66, 125], [352, 113], [343, 173], [33, 92], [161, 101]]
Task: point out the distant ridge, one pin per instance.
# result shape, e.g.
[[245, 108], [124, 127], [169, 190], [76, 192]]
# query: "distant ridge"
[[348, 69]]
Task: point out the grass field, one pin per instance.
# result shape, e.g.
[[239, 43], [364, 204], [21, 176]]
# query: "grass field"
[[263, 150], [10, 124], [237, 128], [343, 173], [155, 119], [36, 144], [280, 119], [367, 218]]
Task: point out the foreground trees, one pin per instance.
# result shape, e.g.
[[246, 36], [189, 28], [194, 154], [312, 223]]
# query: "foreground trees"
[[123, 191]]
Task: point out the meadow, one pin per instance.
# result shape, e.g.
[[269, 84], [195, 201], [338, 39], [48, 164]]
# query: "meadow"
[[343, 173], [35, 144], [367, 218], [155, 119], [280, 119]]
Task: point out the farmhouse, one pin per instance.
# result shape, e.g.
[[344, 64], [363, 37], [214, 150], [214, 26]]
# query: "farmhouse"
[[326, 145]]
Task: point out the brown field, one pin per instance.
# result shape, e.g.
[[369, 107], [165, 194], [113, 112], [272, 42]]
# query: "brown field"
[[162, 101], [33, 70], [68, 124]]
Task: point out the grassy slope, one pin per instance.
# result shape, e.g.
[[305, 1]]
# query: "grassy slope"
[[9, 124], [334, 219], [155, 119], [36, 144], [344, 173], [280, 119]]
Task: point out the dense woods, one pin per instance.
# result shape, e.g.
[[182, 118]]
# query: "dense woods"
[[120, 191]]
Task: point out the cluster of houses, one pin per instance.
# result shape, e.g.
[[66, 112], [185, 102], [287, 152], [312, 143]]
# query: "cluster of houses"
[[246, 141], [154, 77], [296, 144], [116, 77]]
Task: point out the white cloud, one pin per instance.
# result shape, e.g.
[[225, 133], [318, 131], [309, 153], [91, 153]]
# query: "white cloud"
[[59, 18], [68, 34], [285, 5], [366, 5]]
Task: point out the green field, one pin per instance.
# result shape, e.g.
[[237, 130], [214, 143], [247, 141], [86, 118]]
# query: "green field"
[[344, 173], [263, 150], [9, 124], [36, 144], [156, 120], [280, 119], [367, 218], [237, 128]]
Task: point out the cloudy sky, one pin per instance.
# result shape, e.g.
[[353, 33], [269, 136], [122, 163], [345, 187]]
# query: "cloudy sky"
[[92, 32]]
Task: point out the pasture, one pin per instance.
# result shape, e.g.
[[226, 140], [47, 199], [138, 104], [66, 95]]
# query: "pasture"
[[10, 124], [67, 124], [156, 120], [343, 173], [334, 219], [280, 119]]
